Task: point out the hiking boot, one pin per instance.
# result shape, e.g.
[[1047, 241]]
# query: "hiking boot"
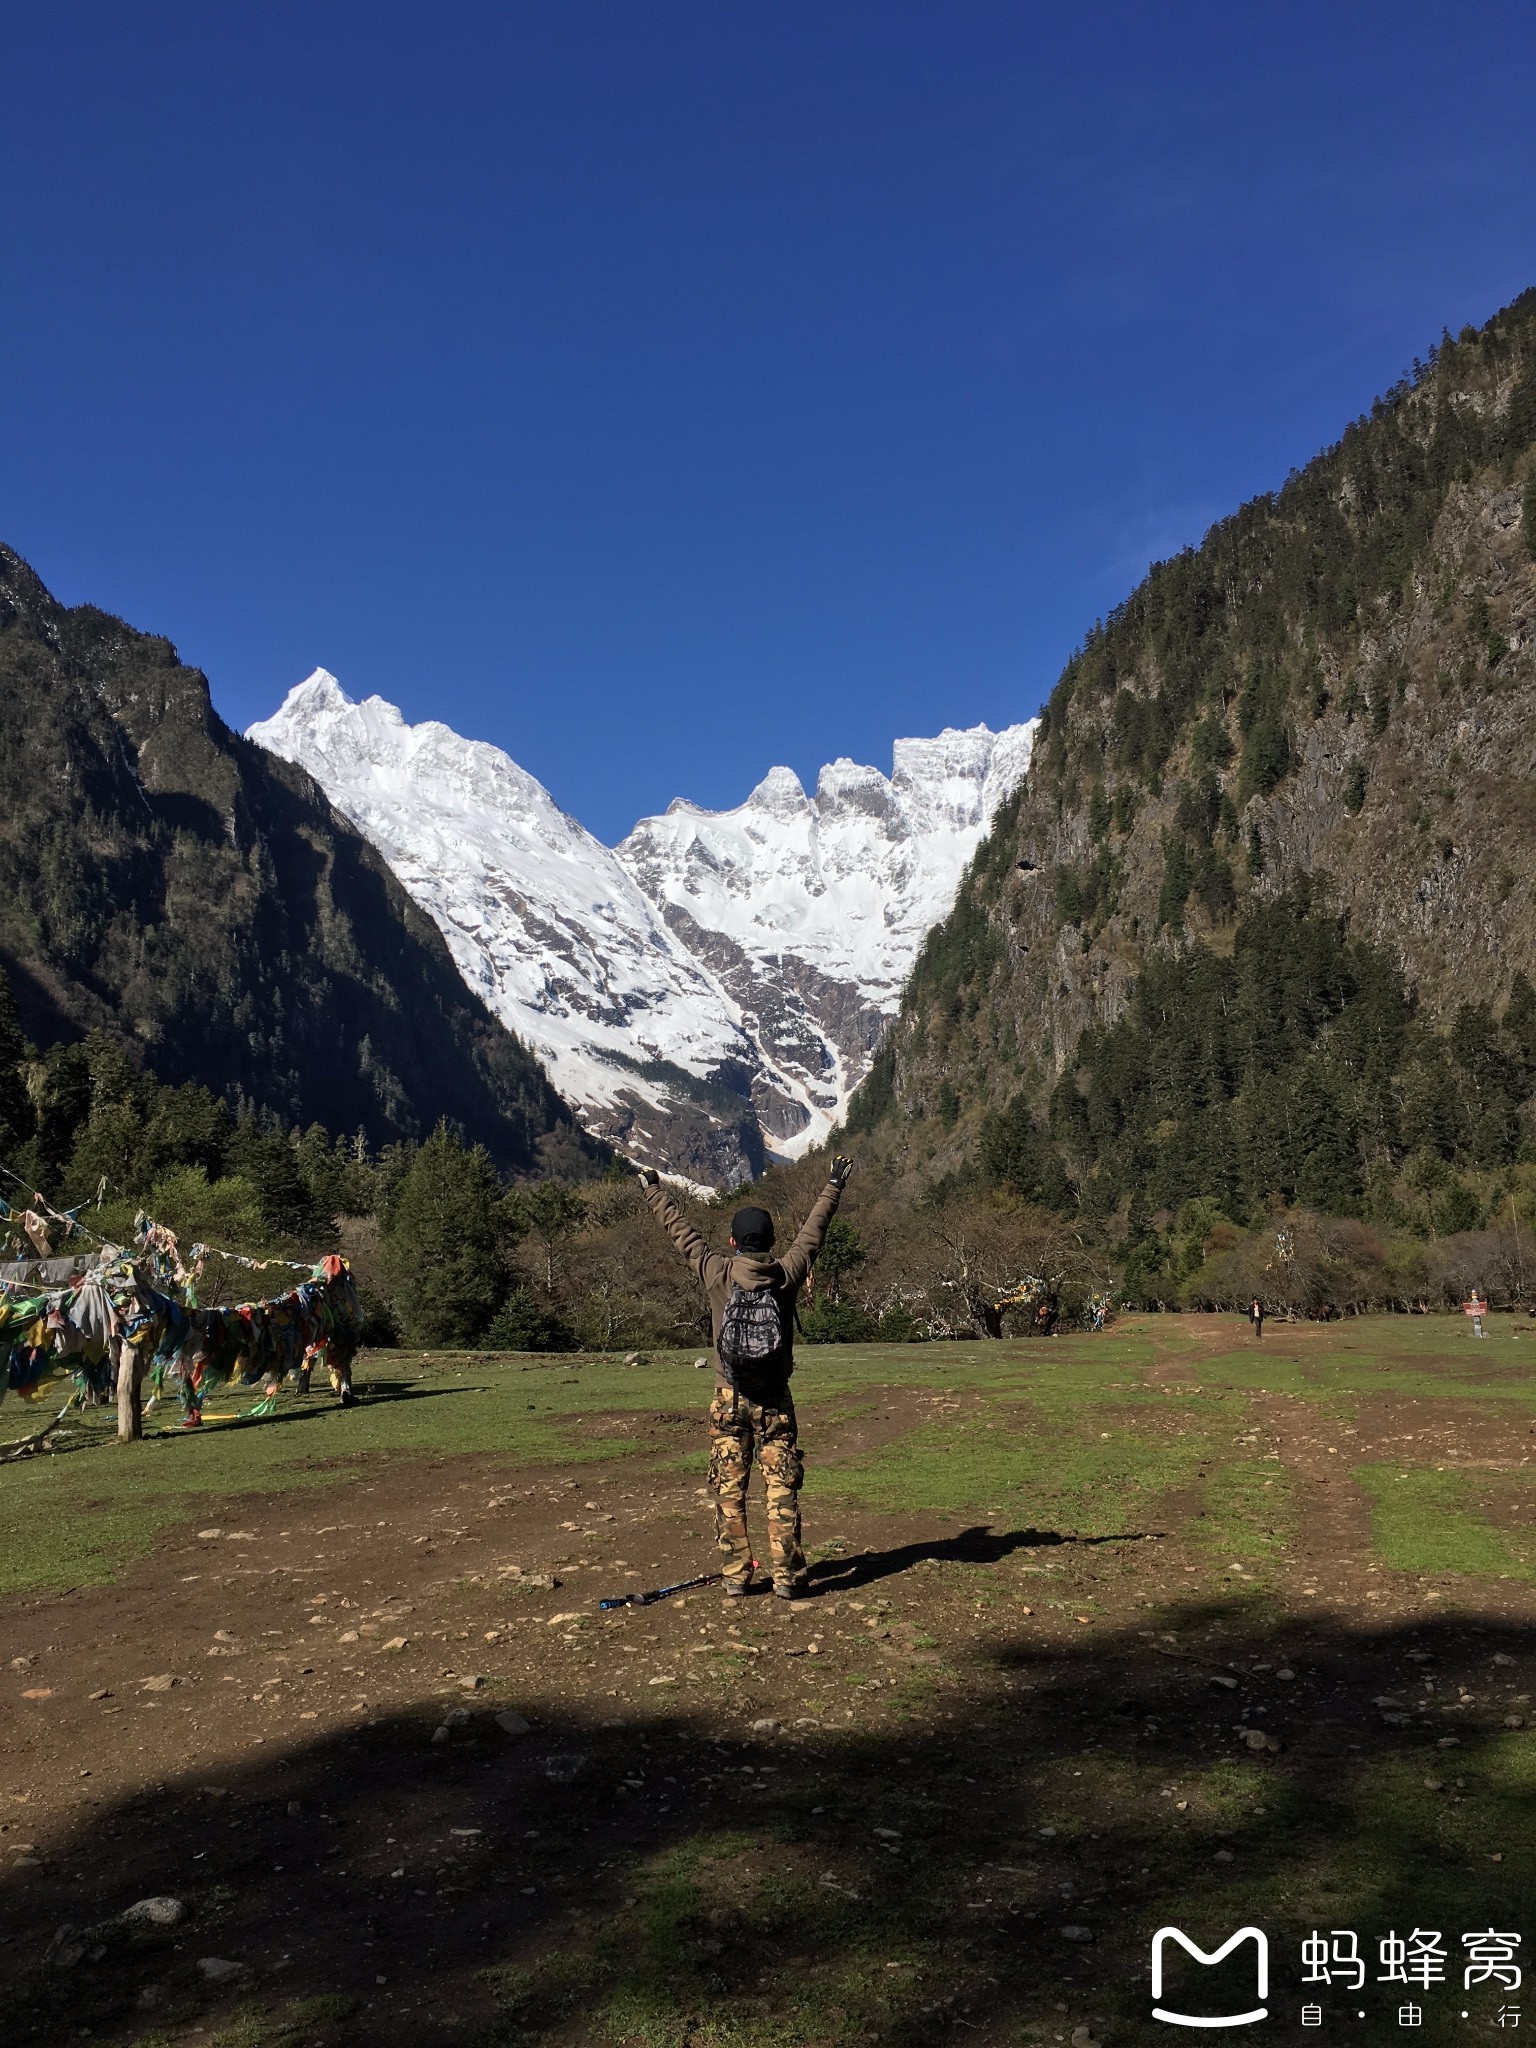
[[737, 1589], [787, 1589], [348, 1398]]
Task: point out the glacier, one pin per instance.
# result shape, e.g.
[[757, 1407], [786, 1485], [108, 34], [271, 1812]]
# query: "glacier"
[[708, 993]]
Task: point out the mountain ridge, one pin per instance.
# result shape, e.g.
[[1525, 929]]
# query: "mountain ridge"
[[1336, 689], [163, 878]]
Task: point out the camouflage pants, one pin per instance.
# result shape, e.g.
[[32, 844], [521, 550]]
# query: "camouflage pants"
[[737, 1428]]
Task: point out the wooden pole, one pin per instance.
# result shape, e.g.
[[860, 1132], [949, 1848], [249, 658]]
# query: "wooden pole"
[[130, 1391]]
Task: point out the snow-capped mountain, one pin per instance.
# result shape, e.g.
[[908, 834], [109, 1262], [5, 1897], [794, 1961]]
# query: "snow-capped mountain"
[[719, 977]]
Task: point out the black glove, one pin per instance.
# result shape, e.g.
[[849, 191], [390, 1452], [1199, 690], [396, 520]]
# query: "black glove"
[[841, 1168], [649, 1177]]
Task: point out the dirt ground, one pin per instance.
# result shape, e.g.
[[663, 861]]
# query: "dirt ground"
[[405, 1779]]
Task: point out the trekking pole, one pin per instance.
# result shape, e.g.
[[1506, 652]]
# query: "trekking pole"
[[661, 1592]]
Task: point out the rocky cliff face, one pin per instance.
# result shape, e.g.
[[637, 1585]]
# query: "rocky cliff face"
[[166, 880], [713, 988], [1340, 682]]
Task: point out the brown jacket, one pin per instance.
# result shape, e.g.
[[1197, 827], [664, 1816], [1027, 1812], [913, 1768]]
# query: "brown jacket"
[[784, 1272]]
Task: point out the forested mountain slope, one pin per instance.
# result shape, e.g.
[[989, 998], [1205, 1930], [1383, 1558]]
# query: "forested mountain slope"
[[165, 879], [1261, 922]]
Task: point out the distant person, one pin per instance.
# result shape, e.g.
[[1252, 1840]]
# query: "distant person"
[[1256, 1317], [752, 1316], [1477, 1308]]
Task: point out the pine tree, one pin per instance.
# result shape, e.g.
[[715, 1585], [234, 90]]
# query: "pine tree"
[[442, 1243]]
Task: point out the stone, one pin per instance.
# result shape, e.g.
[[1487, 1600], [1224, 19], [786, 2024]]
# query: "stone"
[[218, 1969], [159, 1910], [439, 1735], [1083, 2037], [395, 1645], [513, 1724], [766, 1726], [456, 1718], [1286, 1673], [1502, 1657], [38, 1692], [700, 1364], [564, 1767], [101, 1693], [209, 1535], [1220, 1678], [150, 1997], [1514, 1720], [63, 1952], [1434, 1784], [555, 1620], [1222, 1856], [1076, 1933]]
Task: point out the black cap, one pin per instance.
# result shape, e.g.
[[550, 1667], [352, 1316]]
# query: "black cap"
[[752, 1230]]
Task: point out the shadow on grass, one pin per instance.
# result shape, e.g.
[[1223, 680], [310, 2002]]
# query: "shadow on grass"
[[97, 1425], [317, 1409], [677, 1880], [980, 1544]]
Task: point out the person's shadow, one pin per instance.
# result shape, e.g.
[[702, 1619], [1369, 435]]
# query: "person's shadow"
[[976, 1545]]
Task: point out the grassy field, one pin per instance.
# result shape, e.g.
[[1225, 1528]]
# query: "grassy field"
[[1105, 1633]]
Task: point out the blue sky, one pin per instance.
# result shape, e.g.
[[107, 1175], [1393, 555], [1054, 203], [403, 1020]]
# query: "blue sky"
[[667, 390]]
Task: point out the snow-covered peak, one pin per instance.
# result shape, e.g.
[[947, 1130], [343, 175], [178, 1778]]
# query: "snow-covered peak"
[[852, 882], [372, 753], [757, 950]]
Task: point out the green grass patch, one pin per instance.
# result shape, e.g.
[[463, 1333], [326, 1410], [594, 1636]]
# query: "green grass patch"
[[1250, 1512], [1422, 1521], [1046, 1475]]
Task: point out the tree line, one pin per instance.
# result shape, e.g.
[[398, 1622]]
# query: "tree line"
[[1279, 1122]]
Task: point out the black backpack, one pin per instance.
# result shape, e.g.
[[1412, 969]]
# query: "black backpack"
[[754, 1348]]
